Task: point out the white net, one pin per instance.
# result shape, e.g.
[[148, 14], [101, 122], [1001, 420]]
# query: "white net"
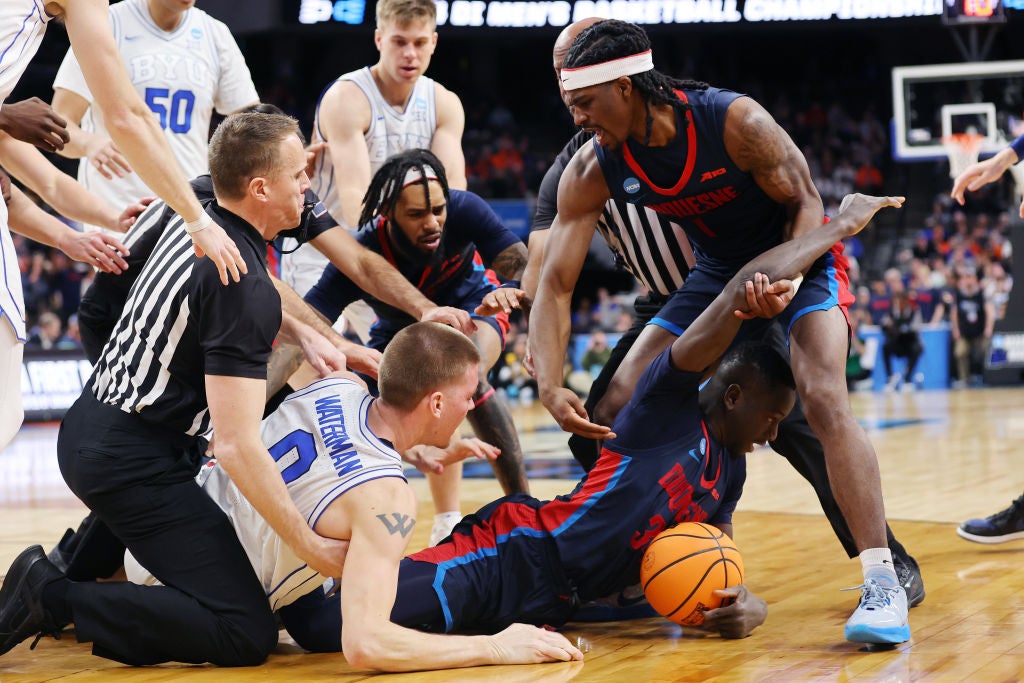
[[962, 149]]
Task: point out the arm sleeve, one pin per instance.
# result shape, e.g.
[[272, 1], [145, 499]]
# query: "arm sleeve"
[[320, 221], [473, 220], [332, 293], [234, 88], [237, 322]]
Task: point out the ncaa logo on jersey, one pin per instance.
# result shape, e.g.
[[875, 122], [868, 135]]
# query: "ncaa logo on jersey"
[[197, 34], [631, 185], [421, 103]]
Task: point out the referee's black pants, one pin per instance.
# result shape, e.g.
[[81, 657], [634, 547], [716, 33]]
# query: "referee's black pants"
[[139, 480], [796, 441]]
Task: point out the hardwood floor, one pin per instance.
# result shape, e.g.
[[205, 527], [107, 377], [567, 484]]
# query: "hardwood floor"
[[944, 456]]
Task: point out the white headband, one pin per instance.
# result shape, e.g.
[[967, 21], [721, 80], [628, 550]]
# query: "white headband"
[[592, 74], [413, 175]]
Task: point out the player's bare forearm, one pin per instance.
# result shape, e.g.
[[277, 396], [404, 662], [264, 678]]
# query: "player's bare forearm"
[[378, 277], [792, 258], [285, 360], [293, 305], [511, 262]]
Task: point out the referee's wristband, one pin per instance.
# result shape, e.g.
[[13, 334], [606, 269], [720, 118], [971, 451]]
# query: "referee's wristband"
[[1018, 147], [511, 284], [202, 223]]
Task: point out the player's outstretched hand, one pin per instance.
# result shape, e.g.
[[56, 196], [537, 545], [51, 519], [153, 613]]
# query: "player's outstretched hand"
[[213, 242], [106, 158], [766, 299], [979, 174], [35, 122], [524, 644], [452, 317], [857, 210], [472, 447], [321, 354], [360, 358], [739, 618], [567, 409], [131, 214], [98, 249], [500, 300]]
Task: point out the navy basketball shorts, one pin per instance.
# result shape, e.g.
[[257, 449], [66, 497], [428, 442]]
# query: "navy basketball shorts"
[[498, 567], [825, 286]]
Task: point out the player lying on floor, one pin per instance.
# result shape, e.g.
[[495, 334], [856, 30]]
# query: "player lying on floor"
[[338, 451], [676, 455]]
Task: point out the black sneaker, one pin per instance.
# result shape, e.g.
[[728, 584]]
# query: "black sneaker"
[[22, 614], [909, 575], [1001, 527]]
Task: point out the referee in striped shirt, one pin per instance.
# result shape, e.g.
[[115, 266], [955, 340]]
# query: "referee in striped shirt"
[[187, 354]]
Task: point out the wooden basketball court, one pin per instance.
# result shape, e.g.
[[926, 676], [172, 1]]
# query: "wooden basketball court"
[[945, 456]]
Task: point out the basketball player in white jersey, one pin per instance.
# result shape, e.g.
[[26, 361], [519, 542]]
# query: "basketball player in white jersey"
[[22, 25], [338, 450], [183, 63], [367, 115]]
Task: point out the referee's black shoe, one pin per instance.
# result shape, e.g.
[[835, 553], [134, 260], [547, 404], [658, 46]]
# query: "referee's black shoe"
[[908, 573], [22, 614]]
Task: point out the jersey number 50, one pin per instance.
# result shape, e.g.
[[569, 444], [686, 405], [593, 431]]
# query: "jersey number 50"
[[173, 109]]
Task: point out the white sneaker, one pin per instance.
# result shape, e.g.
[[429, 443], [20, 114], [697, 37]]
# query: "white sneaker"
[[443, 525], [881, 616], [893, 383]]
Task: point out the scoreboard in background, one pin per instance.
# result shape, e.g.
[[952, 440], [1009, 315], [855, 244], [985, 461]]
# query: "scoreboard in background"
[[958, 12], [557, 13]]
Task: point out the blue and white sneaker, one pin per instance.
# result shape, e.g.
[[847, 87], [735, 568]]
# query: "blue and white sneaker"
[[881, 616]]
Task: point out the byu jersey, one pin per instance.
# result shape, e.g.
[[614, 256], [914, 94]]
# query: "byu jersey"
[[390, 132], [323, 448], [22, 25], [182, 75]]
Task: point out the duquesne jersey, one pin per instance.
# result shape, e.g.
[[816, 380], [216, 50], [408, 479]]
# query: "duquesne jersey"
[[323, 448], [182, 75], [22, 25], [727, 216]]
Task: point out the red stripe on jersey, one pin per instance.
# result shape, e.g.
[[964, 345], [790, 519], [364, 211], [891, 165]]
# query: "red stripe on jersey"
[[557, 511], [691, 156]]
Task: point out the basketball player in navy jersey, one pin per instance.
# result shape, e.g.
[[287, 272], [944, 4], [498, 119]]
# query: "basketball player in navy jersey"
[[654, 247], [440, 241], [715, 160], [676, 454]]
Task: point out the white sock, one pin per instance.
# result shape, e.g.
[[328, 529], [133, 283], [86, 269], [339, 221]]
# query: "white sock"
[[447, 519], [876, 563]]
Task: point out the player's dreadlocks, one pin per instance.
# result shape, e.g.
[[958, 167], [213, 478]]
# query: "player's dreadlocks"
[[387, 183], [613, 39]]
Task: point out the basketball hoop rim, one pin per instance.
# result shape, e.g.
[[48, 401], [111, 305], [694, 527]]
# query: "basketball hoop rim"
[[968, 142]]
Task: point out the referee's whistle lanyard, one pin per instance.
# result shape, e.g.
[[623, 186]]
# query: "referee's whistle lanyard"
[[299, 233]]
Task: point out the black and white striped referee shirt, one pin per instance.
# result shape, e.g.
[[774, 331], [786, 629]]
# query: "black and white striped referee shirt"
[[181, 324], [647, 244]]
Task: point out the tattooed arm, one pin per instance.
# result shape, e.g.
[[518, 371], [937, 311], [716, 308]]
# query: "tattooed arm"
[[759, 146], [382, 518]]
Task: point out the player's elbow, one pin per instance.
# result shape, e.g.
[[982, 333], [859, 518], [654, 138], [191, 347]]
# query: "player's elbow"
[[125, 120], [363, 650]]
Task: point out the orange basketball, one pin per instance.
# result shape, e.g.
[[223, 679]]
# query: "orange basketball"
[[682, 568]]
